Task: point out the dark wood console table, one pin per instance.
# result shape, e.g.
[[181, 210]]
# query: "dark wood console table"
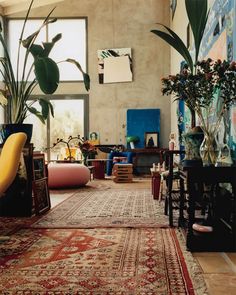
[[223, 237], [144, 158]]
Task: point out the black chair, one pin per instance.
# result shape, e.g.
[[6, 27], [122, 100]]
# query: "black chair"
[[172, 198]]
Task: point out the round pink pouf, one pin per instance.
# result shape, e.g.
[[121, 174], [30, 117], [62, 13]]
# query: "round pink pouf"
[[67, 175]]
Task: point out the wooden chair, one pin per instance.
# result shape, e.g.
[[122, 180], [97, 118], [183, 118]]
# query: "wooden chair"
[[9, 161]]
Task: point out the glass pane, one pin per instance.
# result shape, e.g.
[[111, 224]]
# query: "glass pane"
[[71, 45], [14, 30], [68, 120], [39, 137]]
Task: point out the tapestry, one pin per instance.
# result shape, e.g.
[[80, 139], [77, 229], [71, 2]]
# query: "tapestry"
[[106, 208], [116, 261]]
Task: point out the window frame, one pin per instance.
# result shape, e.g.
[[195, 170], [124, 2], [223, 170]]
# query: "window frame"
[[85, 18], [64, 97]]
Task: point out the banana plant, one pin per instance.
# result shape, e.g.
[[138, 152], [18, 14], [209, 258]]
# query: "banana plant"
[[18, 87], [197, 13]]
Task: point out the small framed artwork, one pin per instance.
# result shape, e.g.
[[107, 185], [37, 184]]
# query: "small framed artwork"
[[151, 139], [94, 137]]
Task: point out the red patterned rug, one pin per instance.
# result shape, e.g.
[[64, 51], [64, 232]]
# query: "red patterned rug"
[[106, 208], [111, 261]]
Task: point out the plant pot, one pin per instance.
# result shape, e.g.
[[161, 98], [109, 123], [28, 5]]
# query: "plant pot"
[[7, 129]]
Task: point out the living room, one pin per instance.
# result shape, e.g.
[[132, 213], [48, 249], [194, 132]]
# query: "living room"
[[104, 109]]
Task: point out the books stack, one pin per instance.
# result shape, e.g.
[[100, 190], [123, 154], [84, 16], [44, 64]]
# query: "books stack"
[[122, 173]]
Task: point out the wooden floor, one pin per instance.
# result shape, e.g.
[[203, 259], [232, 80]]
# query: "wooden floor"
[[219, 268]]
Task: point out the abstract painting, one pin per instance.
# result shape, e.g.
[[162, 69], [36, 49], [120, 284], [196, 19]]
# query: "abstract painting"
[[115, 65]]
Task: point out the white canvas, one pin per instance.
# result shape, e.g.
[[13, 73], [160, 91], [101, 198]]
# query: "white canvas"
[[117, 69]]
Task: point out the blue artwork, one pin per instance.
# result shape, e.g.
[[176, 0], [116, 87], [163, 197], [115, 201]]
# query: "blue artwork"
[[140, 121]]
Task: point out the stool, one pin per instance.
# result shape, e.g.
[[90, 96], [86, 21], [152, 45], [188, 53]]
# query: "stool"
[[67, 175], [122, 172]]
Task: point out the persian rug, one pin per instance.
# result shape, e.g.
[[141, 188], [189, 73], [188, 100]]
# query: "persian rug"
[[9, 225], [106, 208], [112, 261]]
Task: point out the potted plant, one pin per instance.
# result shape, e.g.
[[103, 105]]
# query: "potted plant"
[[131, 140], [212, 80], [18, 87]]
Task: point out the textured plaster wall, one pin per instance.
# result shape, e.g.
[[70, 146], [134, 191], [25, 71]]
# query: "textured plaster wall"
[[116, 24]]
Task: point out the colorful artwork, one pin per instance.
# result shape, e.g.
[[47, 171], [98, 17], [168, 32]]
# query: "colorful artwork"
[[114, 65]]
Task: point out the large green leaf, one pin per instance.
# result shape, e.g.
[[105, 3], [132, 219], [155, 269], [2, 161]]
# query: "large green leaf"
[[35, 112], [197, 15], [36, 50], [47, 74], [85, 76], [174, 41], [46, 107], [49, 45]]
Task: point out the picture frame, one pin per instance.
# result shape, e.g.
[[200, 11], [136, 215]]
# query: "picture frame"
[[151, 139], [38, 166], [94, 137], [41, 196]]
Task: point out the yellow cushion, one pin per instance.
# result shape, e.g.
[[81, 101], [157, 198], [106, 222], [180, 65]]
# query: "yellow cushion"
[[10, 158]]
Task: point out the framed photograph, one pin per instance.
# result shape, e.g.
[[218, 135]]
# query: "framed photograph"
[[39, 165], [151, 139]]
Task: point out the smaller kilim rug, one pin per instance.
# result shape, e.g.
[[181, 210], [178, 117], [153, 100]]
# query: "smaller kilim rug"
[[108, 208], [112, 261]]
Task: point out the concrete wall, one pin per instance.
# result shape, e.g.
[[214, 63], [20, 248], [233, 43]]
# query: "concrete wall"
[[116, 24]]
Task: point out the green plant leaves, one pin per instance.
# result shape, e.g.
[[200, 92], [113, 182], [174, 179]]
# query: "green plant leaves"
[[85, 76], [133, 138], [197, 15], [46, 108], [174, 40], [47, 74]]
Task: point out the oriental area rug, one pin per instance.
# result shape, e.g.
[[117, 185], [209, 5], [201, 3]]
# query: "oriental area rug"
[[111, 261], [106, 208]]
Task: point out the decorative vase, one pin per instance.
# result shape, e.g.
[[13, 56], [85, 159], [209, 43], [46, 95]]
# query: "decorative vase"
[[209, 149], [192, 142], [7, 129]]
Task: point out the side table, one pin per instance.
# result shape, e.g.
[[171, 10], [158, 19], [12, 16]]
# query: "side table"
[[99, 167]]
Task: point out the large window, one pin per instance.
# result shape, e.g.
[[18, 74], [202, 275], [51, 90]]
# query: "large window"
[[72, 44], [69, 119]]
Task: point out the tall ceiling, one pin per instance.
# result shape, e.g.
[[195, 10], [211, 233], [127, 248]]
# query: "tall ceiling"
[[8, 7]]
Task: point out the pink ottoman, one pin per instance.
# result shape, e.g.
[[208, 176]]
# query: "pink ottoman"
[[67, 175]]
